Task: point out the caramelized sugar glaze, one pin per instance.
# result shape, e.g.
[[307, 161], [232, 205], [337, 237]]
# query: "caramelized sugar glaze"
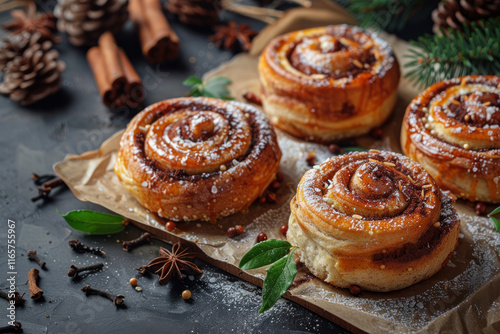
[[453, 130], [373, 219], [328, 83], [197, 158]]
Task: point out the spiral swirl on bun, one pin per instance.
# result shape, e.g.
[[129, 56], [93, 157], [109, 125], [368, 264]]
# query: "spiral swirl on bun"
[[197, 158], [453, 130], [373, 219], [328, 83]]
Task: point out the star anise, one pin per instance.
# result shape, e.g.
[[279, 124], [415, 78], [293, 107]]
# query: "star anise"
[[33, 22], [233, 36], [170, 263]]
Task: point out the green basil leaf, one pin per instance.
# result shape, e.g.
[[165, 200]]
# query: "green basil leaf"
[[192, 81], [265, 253], [94, 222], [278, 279], [196, 90], [354, 149], [494, 212], [496, 222], [217, 87], [218, 81], [208, 93], [214, 87]]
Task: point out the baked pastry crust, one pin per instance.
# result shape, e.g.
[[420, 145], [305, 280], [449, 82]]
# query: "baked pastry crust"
[[372, 219], [453, 130], [197, 158], [328, 83]]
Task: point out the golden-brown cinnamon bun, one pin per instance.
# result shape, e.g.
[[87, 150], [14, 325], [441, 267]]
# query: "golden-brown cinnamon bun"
[[197, 158], [328, 83], [372, 219], [453, 130]]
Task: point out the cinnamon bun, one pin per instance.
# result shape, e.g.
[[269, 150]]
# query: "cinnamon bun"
[[372, 219], [197, 158], [328, 83], [453, 130]]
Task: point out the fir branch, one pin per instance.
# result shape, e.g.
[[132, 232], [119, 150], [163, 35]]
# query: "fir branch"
[[390, 15], [435, 58]]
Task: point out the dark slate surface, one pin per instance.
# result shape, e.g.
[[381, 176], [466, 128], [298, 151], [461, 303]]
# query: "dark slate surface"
[[74, 121]]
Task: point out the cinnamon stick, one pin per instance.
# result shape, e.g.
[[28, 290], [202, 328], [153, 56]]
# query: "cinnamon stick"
[[118, 83], [35, 292], [159, 41]]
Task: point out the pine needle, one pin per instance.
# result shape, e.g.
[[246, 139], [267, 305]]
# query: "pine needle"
[[389, 15], [435, 58]]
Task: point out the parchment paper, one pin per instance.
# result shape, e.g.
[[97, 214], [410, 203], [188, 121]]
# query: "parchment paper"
[[463, 297]]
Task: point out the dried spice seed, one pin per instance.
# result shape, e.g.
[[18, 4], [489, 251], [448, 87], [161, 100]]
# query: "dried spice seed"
[[233, 36], [262, 237], [133, 281], [77, 246], [170, 226], [271, 198], [35, 292], [32, 256], [175, 262], [239, 228], [377, 133], [17, 298], [15, 328], [335, 149], [74, 270], [284, 229], [232, 232], [186, 294], [311, 159], [354, 290], [131, 244], [262, 199], [480, 209], [118, 300], [275, 185], [252, 98]]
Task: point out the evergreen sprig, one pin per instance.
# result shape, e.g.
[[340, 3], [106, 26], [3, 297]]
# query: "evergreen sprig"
[[389, 15], [476, 50]]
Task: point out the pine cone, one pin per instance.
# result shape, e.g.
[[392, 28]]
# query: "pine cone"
[[32, 22], [35, 71], [456, 14], [195, 12], [11, 45], [85, 20]]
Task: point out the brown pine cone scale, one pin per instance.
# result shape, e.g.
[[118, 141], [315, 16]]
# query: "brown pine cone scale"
[[456, 14], [85, 20]]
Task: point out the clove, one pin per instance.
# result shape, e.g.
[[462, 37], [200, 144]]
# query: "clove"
[[143, 270], [131, 244], [33, 256], [118, 300], [18, 298], [16, 328], [45, 189], [40, 179], [35, 292], [74, 270], [81, 248]]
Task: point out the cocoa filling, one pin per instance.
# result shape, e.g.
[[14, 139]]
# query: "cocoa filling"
[[179, 174], [425, 245], [470, 109], [295, 59]]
